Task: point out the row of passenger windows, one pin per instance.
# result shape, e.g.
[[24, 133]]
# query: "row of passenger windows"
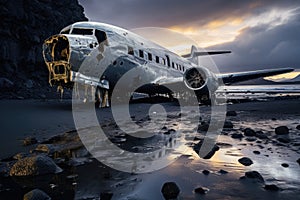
[[164, 61]]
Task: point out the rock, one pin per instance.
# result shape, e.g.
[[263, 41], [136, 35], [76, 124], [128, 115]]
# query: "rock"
[[201, 190], [228, 124], [256, 152], [251, 139], [284, 139], [29, 141], [35, 165], [170, 190], [205, 172], [29, 84], [271, 187], [45, 148], [298, 161], [245, 161], [20, 156], [298, 127], [210, 154], [254, 175], [231, 113], [285, 165], [106, 195], [36, 194], [261, 135], [281, 130], [6, 83], [237, 135], [221, 171], [249, 132], [203, 127]]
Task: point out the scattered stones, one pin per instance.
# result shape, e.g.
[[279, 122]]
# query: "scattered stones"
[[201, 190], [35, 165], [245, 161], [29, 141], [271, 187], [205, 172], [285, 165], [249, 132], [106, 195], [237, 135], [170, 190], [254, 175], [298, 127], [36, 194], [256, 152], [281, 130], [231, 113], [261, 135]]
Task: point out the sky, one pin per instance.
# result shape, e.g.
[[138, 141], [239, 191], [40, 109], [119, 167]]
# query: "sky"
[[260, 34]]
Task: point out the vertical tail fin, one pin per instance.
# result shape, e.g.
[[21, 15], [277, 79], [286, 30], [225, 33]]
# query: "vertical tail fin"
[[193, 57]]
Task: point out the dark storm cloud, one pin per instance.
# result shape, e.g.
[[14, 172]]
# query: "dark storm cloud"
[[166, 13], [263, 47]]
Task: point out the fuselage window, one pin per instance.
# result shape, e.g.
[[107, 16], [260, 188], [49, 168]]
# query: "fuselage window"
[[180, 67], [163, 61], [101, 36], [141, 53], [150, 56], [82, 31], [183, 68], [173, 66], [146, 55], [176, 66], [157, 59], [130, 50]]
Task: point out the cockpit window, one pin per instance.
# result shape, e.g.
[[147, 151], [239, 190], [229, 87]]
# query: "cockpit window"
[[67, 31], [82, 31]]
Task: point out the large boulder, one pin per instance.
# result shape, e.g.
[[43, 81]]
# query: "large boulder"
[[36, 194], [35, 165]]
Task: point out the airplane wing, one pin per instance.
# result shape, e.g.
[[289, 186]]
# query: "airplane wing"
[[204, 53], [230, 78], [267, 89]]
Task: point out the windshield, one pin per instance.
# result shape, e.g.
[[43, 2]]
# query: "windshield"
[[82, 31]]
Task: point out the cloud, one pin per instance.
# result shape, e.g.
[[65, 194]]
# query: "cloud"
[[167, 13], [263, 46]]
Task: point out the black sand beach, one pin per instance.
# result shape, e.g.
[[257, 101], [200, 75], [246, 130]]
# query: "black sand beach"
[[274, 156]]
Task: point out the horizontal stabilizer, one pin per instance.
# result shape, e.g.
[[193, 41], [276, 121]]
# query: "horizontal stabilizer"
[[204, 53]]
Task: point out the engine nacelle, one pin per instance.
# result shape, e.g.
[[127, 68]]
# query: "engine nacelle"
[[200, 78]]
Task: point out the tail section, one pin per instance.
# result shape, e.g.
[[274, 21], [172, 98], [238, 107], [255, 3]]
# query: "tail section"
[[193, 56]]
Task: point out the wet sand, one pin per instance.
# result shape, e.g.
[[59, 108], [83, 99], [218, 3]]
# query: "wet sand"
[[45, 119]]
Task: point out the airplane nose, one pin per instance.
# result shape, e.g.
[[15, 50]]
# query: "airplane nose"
[[56, 52]]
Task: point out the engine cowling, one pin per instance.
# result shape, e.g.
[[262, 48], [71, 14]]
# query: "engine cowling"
[[200, 78]]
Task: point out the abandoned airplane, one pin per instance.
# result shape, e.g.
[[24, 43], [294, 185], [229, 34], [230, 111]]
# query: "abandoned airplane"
[[66, 52]]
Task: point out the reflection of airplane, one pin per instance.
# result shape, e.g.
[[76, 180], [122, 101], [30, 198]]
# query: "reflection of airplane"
[[65, 52]]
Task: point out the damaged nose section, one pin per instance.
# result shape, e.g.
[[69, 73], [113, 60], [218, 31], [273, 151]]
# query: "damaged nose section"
[[56, 52]]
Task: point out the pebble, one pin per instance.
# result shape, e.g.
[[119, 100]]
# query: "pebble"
[[201, 190], [271, 187], [285, 165]]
